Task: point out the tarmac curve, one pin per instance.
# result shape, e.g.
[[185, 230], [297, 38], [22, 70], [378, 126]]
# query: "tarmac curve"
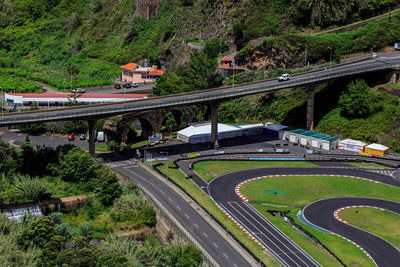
[[320, 213]]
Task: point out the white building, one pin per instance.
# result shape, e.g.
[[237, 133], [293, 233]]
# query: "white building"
[[202, 133], [64, 99], [352, 145], [251, 129]]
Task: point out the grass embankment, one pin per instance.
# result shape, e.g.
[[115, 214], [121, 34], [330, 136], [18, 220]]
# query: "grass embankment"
[[210, 169], [383, 223], [300, 190], [104, 147], [196, 193], [371, 165]]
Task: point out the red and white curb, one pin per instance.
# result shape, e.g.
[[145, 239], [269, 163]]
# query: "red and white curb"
[[237, 189], [336, 214], [241, 227]]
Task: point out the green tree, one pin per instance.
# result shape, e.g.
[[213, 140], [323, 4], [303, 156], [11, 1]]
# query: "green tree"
[[36, 234], [188, 255], [354, 102], [113, 146], [110, 189], [112, 260], [51, 250], [148, 215], [8, 158], [76, 166]]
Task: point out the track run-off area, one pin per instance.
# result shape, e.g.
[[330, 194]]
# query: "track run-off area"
[[321, 213]]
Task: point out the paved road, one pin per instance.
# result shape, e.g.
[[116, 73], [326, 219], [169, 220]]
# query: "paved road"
[[384, 63], [222, 190], [321, 213], [199, 228]]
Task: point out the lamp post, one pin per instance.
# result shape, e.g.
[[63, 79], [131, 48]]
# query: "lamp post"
[[330, 57], [166, 152], [233, 75], [261, 234], [209, 198], [2, 102]]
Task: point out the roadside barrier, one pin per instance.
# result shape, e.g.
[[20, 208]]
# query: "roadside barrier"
[[180, 227]]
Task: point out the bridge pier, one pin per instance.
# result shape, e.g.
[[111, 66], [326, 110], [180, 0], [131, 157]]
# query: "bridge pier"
[[214, 123], [310, 108], [92, 138], [393, 76]]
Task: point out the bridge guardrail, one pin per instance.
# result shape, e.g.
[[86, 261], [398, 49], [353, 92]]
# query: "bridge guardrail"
[[226, 93], [180, 227]]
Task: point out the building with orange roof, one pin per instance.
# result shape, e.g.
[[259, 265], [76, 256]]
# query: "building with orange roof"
[[132, 72], [227, 67]]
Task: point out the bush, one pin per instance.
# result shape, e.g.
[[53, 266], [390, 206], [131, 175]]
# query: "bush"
[[56, 217], [354, 102], [148, 216], [31, 188], [113, 146], [36, 234], [110, 189], [66, 230], [86, 228]]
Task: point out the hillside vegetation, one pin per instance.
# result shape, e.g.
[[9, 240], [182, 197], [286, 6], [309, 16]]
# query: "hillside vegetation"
[[72, 43]]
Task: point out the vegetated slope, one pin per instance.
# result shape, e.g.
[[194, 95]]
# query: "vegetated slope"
[[66, 41], [340, 110]]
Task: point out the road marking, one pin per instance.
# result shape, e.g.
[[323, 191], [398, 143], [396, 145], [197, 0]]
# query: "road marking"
[[161, 191], [195, 225], [226, 256], [187, 216], [179, 208], [170, 199], [215, 245], [205, 234]]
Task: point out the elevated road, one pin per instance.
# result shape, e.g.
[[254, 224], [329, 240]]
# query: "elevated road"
[[384, 63]]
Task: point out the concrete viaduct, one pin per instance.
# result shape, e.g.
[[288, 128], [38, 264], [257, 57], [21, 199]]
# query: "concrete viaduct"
[[387, 64]]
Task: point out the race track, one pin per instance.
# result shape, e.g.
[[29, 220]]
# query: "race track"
[[320, 213]]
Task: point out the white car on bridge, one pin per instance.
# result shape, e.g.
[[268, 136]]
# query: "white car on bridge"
[[284, 77]]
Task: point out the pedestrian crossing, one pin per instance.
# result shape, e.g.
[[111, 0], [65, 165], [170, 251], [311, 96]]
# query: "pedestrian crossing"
[[384, 172], [119, 164]]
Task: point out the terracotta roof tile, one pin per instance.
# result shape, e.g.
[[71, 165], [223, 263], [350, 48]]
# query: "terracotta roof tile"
[[130, 66]]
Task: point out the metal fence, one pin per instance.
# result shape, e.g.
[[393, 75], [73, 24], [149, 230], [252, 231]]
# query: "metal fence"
[[190, 99], [180, 227]]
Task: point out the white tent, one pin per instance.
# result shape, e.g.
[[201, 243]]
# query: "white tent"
[[202, 133], [352, 145]]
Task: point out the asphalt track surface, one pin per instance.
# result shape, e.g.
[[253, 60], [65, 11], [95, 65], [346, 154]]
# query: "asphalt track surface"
[[320, 213], [220, 250], [384, 62]]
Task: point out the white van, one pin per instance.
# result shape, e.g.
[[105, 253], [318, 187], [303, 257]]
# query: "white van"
[[100, 136]]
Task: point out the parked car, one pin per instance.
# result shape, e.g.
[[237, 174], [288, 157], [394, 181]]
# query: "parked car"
[[82, 137], [284, 77], [133, 84], [79, 90], [100, 136], [117, 86], [127, 85], [71, 137]]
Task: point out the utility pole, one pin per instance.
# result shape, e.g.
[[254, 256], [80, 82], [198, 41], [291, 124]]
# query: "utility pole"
[[305, 57], [330, 57]]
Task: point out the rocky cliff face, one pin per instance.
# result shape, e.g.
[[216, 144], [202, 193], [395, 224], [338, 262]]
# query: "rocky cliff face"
[[148, 8]]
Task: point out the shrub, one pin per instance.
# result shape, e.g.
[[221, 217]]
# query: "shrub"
[[354, 102], [56, 217], [148, 216], [113, 146], [36, 234], [31, 188], [66, 230], [86, 228], [110, 189]]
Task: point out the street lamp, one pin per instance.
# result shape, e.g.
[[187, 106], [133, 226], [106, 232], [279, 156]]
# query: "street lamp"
[[261, 234], [2, 102], [330, 57], [166, 152], [209, 198], [233, 75]]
